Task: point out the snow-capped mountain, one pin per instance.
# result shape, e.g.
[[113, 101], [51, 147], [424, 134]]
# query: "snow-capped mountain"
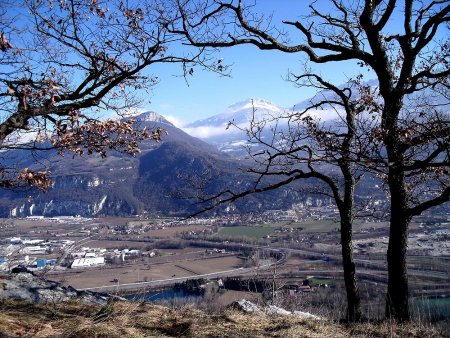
[[239, 113], [216, 130], [151, 117], [328, 112]]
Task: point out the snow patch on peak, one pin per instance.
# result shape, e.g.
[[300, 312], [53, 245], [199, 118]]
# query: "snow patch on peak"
[[151, 116], [251, 103], [240, 114]]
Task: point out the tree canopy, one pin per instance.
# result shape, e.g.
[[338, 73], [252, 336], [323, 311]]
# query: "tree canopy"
[[405, 46], [66, 65]]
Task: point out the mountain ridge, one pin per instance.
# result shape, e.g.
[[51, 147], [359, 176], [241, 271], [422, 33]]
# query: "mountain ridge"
[[166, 178]]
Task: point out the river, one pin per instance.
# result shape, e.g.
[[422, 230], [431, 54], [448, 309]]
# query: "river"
[[168, 295]]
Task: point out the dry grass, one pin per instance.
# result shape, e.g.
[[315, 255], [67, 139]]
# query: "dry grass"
[[127, 319]]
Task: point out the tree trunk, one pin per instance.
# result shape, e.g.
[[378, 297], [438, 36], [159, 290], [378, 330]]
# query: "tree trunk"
[[397, 305], [351, 286], [346, 207]]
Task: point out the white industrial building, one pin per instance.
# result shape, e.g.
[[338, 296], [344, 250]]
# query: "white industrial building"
[[34, 250], [79, 254], [88, 262], [32, 241]]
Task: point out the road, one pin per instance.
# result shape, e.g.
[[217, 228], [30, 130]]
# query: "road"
[[171, 281], [369, 270]]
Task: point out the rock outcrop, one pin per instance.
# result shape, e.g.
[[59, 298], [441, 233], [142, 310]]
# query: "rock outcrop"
[[28, 287], [249, 307]]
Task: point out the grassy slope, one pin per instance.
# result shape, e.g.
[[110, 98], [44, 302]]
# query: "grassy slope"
[[125, 319]]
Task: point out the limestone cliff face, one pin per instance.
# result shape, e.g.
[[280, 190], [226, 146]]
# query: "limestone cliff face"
[[86, 195], [103, 207]]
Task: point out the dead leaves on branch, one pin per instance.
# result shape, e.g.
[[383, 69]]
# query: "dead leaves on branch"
[[39, 179], [25, 179], [4, 43], [92, 136], [81, 136], [95, 136]]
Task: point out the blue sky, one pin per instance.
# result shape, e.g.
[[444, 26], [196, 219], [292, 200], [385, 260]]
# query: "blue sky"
[[254, 74]]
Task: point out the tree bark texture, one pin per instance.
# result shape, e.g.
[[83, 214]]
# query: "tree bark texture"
[[397, 305], [351, 286]]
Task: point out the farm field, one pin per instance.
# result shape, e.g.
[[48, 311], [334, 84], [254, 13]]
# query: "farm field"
[[304, 227], [212, 265], [173, 231], [246, 231], [108, 244], [173, 266]]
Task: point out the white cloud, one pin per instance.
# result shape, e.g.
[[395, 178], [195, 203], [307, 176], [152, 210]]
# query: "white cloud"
[[22, 138], [177, 122], [327, 114], [208, 131]]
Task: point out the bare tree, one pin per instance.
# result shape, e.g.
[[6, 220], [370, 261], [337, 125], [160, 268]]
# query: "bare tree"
[[302, 147], [64, 64], [408, 61]]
